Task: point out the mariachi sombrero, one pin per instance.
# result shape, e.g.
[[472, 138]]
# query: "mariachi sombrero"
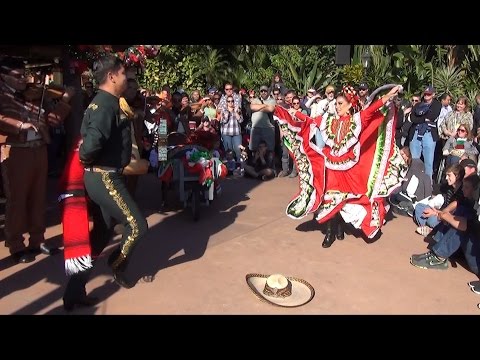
[[280, 290]]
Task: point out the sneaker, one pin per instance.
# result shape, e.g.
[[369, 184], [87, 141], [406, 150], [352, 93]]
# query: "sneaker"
[[475, 286], [429, 261], [293, 175], [282, 173], [417, 257], [423, 230]]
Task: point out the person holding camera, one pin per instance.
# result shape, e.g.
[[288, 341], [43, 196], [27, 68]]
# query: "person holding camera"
[[259, 165], [206, 125]]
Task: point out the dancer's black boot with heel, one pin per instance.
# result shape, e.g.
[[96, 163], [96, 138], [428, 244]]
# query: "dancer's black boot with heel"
[[340, 227], [330, 235]]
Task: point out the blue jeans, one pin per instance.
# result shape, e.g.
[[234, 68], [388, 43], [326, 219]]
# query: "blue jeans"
[[431, 221], [425, 147], [318, 138], [233, 143], [451, 160], [450, 240]]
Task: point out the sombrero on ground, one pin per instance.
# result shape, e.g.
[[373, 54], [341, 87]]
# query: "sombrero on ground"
[[280, 290]]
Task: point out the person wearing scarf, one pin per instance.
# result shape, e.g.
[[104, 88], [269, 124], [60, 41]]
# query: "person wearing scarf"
[[104, 152]]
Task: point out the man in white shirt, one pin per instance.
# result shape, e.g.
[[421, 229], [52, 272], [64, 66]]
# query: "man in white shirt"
[[445, 110], [327, 105]]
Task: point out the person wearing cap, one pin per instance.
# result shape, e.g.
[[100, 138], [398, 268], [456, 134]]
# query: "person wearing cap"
[[327, 105], [312, 104], [208, 108], [212, 90], [470, 166], [263, 128], [363, 94], [310, 94], [423, 133]]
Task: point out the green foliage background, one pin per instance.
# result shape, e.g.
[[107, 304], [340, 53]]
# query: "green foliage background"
[[450, 68]]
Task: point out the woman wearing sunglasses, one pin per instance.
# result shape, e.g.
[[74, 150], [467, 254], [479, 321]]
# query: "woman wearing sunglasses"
[[460, 146]]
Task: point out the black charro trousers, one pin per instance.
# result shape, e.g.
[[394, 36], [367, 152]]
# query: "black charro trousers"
[[109, 191]]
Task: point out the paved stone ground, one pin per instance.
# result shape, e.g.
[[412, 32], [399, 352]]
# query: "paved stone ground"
[[200, 267]]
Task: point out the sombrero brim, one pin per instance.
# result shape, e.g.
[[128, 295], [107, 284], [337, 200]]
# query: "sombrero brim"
[[302, 291]]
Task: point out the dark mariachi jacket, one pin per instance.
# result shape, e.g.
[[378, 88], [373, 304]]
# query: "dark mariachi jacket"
[[106, 133]]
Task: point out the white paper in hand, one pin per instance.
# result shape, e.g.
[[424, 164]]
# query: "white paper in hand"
[[412, 186], [436, 202]]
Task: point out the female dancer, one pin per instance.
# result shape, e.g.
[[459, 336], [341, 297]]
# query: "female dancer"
[[356, 169]]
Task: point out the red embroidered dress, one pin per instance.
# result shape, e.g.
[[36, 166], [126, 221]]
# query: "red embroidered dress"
[[354, 172]]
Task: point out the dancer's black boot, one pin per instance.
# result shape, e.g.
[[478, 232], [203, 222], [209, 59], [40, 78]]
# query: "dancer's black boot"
[[330, 235], [340, 227]]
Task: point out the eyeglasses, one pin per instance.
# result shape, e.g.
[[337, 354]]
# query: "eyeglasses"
[[461, 130], [216, 98], [415, 100], [226, 89], [330, 92], [296, 103], [263, 90], [229, 101]]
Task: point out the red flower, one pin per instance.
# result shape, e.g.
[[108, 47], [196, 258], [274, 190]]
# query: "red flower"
[[134, 58]]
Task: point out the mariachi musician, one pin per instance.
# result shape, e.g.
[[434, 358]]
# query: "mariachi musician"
[[26, 114]]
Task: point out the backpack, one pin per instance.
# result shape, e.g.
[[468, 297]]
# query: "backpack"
[[422, 109]]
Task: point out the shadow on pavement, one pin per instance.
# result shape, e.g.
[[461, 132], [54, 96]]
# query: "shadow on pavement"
[[174, 234], [178, 238]]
